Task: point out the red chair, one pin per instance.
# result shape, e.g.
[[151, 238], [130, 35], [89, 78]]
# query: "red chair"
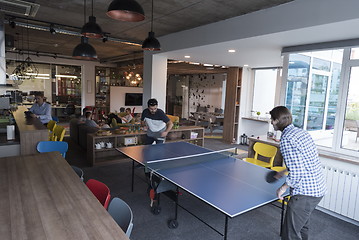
[[100, 190]]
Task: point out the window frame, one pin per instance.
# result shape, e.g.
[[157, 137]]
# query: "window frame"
[[335, 150]]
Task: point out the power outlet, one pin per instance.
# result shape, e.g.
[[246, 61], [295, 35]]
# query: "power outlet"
[[130, 141]]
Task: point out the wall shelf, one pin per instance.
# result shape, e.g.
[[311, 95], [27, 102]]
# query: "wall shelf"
[[101, 156]]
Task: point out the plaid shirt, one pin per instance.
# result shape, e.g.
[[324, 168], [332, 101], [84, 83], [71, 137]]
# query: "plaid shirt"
[[301, 158]]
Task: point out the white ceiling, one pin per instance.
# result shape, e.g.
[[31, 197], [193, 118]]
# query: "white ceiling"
[[265, 50]]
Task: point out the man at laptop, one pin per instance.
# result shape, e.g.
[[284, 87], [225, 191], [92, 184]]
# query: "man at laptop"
[[41, 109]]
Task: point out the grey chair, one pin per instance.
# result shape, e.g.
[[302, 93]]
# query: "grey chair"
[[79, 172], [122, 214]]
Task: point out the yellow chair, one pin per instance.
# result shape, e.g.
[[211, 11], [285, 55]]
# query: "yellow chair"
[[51, 126], [279, 169], [173, 118], [59, 133], [264, 150]]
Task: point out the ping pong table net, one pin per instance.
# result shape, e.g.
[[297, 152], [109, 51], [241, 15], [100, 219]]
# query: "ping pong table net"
[[187, 160]]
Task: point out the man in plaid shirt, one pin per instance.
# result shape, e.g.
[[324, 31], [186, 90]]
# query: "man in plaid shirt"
[[305, 178]]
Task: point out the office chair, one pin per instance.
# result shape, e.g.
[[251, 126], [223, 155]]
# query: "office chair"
[[51, 146], [264, 150], [51, 126], [122, 214], [100, 190], [59, 133]]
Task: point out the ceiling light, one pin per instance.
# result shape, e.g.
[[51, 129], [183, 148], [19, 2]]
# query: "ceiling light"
[[39, 74], [245, 65], [91, 29], [84, 50], [66, 76], [126, 10], [151, 43], [231, 51], [187, 56], [207, 65]]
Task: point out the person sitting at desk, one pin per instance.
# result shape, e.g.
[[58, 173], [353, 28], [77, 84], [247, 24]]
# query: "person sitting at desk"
[[91, 123], [41, 109], [128, 117]]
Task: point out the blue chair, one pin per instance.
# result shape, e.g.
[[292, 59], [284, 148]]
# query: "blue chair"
[[51, 146], [54, 118]]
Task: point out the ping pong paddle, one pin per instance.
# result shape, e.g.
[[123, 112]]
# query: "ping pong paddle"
[[270, 177]]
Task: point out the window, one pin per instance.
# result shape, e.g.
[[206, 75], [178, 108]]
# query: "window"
[[314, 83], [264, 88]]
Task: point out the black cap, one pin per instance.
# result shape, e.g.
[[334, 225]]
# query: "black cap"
[[152, 102]]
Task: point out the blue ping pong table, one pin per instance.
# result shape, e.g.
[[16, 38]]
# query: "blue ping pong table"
[[228, 184]]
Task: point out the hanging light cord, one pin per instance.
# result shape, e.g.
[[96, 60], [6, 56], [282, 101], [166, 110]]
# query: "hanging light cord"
[[152, 18], [84, 11], [28, 38], [92, 8]]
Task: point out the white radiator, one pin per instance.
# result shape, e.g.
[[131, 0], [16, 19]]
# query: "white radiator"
[[343, 192]]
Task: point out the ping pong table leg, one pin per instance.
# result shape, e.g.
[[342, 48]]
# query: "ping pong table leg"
[[173, 223], [282, 216], [225, 227], [133, 174]]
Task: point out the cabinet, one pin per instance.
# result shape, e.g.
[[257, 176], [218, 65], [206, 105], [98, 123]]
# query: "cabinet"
[[232, 106], [191, 134], [105, 77]]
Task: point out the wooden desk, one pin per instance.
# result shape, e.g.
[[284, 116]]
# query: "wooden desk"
[[278, 160], [42, 198], [30, 130]]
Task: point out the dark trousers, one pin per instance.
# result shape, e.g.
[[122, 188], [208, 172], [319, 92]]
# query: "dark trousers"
[[296, 221], [150, 140]]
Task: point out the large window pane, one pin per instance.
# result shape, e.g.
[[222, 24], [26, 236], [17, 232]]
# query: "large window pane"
[[314, 109], [317, 102], [297, 84], [350, 139], [333, 96]]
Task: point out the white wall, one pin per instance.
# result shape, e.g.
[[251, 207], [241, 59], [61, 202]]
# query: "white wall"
[[206, 89], [117, 98]]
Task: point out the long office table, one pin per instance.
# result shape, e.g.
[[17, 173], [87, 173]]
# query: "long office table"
[[30, 130], [228, 184], [42, 198]]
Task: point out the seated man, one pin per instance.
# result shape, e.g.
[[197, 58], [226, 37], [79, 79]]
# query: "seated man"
[[91, 123], [128, 117], [41, 109], [82, 118]]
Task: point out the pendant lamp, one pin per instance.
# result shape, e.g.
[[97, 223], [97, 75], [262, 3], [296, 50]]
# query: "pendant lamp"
[[84, 50], [151, 43], [91, 29], [126, 10]]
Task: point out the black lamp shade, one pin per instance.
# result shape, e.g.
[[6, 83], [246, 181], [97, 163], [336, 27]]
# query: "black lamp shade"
[[91, 29], [151, 43], [126, 10], [84, 50]]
